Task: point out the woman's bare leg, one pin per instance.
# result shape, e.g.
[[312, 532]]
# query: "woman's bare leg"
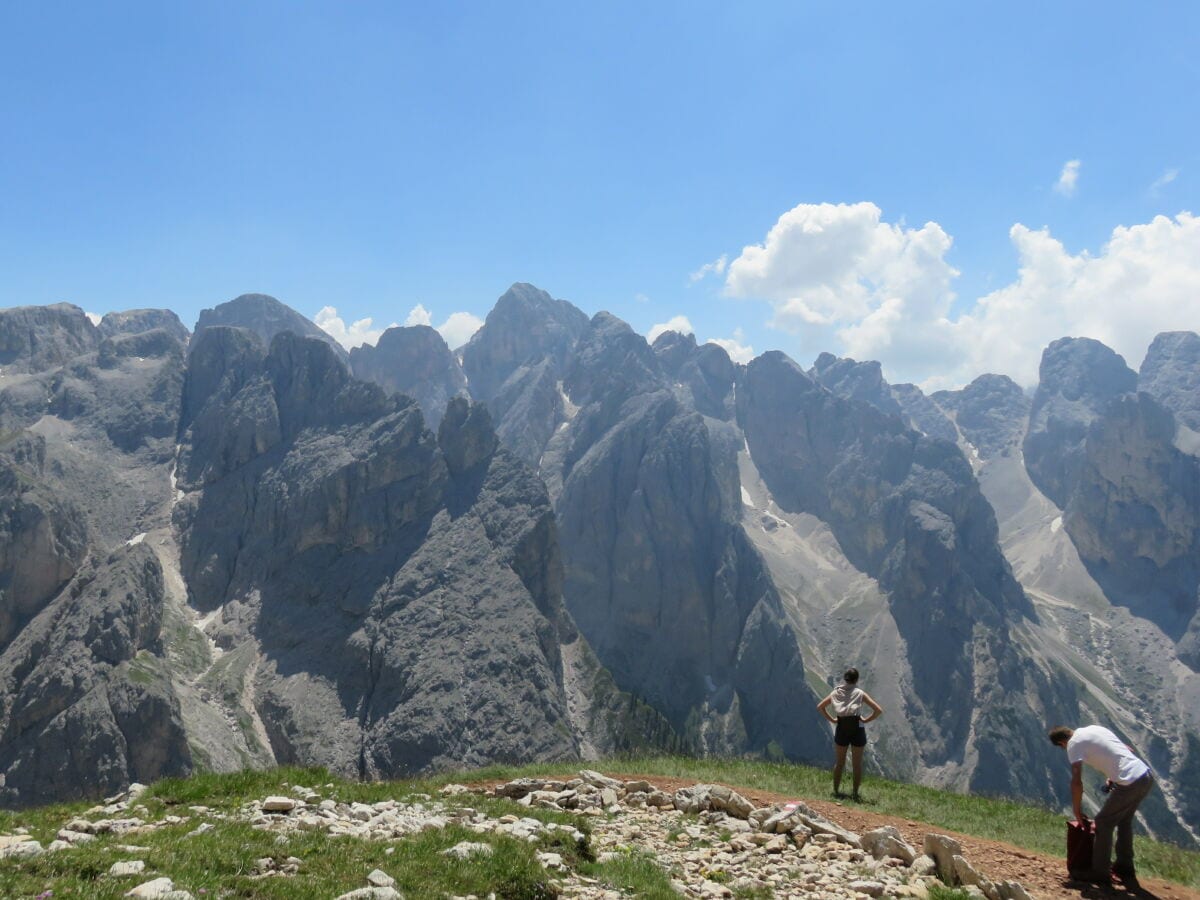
[[839, 764], [856, 758]]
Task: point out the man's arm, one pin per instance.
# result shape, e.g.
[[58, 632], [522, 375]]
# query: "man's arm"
[[1077, 790]]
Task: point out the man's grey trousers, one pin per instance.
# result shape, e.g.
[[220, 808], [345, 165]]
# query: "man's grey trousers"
[[1118, 812]]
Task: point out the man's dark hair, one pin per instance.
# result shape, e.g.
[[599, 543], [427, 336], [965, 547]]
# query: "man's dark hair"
[[851, 676], [1060, 735]]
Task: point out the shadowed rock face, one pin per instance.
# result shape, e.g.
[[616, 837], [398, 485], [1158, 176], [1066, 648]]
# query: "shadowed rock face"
[[266, 317], [705, 372], [1078, 378], [415, 361], [42, 536], [660, 576], [404, 591], [991, 413], [1171, 375], [1134, 513], [136, 321], [906, 510], [924, 414], [86, 707], [37, 338], [855, 381]]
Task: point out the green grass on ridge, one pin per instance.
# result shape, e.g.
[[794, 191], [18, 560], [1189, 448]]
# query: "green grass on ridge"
[[221, 861]]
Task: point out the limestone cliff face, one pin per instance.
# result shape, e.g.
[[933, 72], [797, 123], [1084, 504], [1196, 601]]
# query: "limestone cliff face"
[[402, 590], [415, 361], [923, 413], [36, 338], [85, 707], [1170, 374], [705, 373], [659, 574], [42, 537], [86, 699], [991, 413], [1134, 513], [906, 510], [855, 380], [1077, 379]]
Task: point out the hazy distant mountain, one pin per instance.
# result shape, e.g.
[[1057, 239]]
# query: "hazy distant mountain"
[[413, 360], [266, 317], [244, 554]]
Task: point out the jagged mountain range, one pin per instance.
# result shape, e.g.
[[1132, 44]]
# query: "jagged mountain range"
[[245, 545]]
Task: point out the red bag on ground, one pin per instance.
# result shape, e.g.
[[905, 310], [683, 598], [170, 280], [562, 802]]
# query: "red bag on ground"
[[1080, 836]]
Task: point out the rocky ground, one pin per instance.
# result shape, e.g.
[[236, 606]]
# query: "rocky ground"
[[712, 840]]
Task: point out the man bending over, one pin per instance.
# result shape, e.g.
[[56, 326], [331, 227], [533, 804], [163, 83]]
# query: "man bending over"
[[1129, 781]]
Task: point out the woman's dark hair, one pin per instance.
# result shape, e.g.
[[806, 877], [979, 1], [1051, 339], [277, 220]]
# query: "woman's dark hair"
[[851, 676]]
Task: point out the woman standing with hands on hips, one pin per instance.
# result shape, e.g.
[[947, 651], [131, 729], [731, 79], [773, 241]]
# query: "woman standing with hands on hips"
[[847, 700]]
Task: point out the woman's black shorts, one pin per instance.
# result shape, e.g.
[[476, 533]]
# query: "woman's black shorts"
[[850, 732]]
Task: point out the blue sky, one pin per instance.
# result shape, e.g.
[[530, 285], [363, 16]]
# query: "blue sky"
[[372, 157]]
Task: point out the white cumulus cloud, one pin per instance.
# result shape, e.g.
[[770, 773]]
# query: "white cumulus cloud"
[[847, 282], [738, 351], [418, 315], [1068, 178], [675, 323], [839, 272], [1145, 280], [458, 328], [349, 336]]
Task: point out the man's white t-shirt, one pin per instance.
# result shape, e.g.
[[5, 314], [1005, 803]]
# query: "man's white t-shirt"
[[1104, 751]]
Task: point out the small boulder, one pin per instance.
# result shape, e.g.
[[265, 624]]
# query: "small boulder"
[[125, 868], [923, 865], [967, 875], [380, 878], [278, 805], [887, 842], [22, 850], [467, 849], [1012, 890], [870, 888], [157, 888], [942, 849]]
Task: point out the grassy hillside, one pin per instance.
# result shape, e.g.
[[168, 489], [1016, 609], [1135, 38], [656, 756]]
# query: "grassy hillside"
[[222, 861]]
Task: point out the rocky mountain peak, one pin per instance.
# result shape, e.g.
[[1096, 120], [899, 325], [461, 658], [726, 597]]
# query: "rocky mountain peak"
[[855, 380], [991, 412], [135, 321], [525, 326], [1083, 370], [266, 317], [37, 338], [1171, 375], [466, 435], [1078, 378], [674, 349], [413, 360], [611, 362]]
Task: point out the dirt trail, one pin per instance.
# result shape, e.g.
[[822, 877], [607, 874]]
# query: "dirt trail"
[[1042, 875]]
